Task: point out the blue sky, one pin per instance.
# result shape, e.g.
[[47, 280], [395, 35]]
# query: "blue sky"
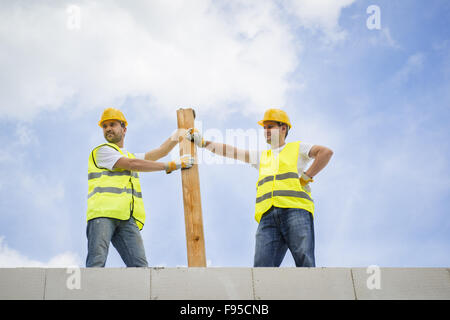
[[378, 98]]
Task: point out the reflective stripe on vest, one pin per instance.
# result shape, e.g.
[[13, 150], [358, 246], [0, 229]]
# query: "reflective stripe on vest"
[[94, 175], [114, 190], [114, 193], [278, 183], [284, 193]]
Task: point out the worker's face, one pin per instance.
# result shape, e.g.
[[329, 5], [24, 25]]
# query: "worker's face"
[[113, 131], [274, 133]]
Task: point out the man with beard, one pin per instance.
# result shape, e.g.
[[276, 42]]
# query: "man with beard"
[[115, 210], [284, 208]]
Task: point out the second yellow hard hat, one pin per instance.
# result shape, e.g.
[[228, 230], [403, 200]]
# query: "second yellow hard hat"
[[112, 114], [275, 115]]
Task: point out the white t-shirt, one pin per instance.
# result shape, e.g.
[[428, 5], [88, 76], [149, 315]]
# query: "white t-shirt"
[[107, 156], [303, 156]]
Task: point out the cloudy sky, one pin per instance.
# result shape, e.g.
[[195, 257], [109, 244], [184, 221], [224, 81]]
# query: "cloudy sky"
[[368, 79]]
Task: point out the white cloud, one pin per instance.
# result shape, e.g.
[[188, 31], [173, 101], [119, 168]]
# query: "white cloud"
[[178, 53], [25, 135], [188, 55], [10, 258], [388, 37], [320, 15], [412, 66], [383, 37], [46, 194]]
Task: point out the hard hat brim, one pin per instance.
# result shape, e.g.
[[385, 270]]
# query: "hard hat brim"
[[101, 121], [261, 123]]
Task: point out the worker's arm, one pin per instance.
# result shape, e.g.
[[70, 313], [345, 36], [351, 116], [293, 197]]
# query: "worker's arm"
[[141, 165], [228, 151], [220, 149], [166, 146], [322, 156]]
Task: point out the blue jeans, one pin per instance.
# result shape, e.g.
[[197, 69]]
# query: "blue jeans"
[[123, 234], [281, 229]]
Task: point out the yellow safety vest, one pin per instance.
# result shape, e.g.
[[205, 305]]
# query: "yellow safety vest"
[[278, 183], [114, 193]]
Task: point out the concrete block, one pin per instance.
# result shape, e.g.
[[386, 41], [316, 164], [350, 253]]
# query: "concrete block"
[[402, 283], [201, 284], [22, 283], [98, 284], [303, 284]]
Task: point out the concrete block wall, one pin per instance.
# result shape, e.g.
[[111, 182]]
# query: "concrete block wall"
[[222, 283]]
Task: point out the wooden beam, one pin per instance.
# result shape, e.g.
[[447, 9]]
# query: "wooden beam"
[[190, 181]]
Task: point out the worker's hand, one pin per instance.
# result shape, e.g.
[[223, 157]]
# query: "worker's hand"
[[185, 162], [178, 135], [195, 136], [305, 180]]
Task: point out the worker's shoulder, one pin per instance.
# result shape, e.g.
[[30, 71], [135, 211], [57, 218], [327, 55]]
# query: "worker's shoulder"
[[106, 147], [291, 144], [105, 150]]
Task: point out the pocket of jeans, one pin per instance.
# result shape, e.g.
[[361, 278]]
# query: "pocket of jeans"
[[133, 220]]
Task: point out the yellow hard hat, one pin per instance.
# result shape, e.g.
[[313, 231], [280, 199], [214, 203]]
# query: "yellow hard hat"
[[112, 114], [275, 115]]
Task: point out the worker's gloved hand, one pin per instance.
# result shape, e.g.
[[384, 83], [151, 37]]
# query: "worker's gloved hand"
[[185, 162], [195, 136], [178, 135], [305, 180]]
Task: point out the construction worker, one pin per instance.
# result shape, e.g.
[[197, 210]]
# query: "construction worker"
[[115, 209], [284, 207]]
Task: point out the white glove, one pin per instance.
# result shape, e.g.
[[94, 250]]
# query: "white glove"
[[307, 188], [185, 162], [195, 136]]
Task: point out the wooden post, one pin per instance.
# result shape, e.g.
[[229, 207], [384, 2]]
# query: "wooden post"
[[191, 196]]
